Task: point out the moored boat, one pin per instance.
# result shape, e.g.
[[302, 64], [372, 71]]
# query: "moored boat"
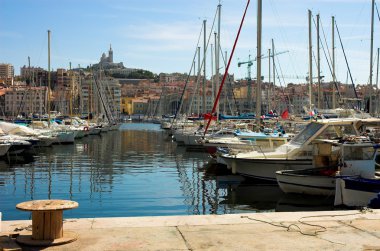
[[321, 179], [296, 154]]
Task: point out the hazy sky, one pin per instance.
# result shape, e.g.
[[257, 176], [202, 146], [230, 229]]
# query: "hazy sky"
[[161, 35]]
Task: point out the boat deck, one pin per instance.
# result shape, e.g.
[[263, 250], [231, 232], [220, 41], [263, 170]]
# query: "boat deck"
[[322, 230]]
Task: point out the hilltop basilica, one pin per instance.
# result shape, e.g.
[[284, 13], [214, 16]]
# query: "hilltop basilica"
[[107, 62]]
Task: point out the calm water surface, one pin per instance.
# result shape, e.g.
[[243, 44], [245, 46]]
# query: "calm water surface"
[[136, 171]]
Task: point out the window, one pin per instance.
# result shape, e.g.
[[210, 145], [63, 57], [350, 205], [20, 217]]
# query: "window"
[[306, 133]]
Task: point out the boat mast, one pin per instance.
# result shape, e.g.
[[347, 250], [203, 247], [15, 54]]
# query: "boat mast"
[[258, 73], [204, 68], [227, 67], [310, 63], [333, 63], [212, 73], [31, 90], [217, 53], [199, 72], [71, 95], [268, 88], [370, 110], [320, 103], [49, 79], [225, 89], [274, 71], [377, 81]]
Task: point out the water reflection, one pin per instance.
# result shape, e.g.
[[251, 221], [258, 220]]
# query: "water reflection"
[[136, 171]]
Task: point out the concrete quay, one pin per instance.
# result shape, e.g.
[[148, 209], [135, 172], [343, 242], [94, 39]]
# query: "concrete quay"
[[322, 230]]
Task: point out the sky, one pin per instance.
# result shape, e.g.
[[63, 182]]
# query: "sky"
[[162, 35]]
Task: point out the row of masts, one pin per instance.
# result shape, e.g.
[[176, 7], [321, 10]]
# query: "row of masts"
[[270, 52], [319, 78], [90, 108]]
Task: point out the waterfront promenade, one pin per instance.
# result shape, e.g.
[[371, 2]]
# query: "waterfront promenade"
[[328, 230]]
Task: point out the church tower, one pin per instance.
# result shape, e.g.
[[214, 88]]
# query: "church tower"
[[110, 55]]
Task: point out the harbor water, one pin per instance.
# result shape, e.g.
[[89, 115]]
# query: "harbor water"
[[137, 171]]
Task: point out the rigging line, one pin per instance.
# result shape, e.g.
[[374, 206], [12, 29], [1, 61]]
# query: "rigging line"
[[348, 67], [356, 21], [226, 70], [324, 36], [282, 88], [103, 100], [377, 10], [278, 76], [179, 106], [274, 9], [316, 62], [203, 61], [229, 81], [327, 59]]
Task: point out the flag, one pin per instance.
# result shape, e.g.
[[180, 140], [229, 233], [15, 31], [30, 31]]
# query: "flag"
[[285, 114], [207, 116]]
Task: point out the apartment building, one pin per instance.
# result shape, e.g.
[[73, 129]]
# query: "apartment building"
[[25, 100], [6, 74], [6, 71], [100, 96]]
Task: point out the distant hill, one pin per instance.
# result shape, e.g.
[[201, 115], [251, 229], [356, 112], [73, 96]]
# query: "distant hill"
[[137, 74]]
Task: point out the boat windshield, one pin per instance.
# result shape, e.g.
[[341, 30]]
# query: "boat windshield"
[[337, 131], [352, 152], [306, 134]]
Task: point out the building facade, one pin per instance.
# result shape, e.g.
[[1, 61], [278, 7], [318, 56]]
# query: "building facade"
[[101, 97], [6, 71], [25, 100]]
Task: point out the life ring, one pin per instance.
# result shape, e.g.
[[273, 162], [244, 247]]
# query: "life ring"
[[86, 128]]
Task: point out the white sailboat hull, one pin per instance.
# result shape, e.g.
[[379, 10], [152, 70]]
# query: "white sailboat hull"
[[66, 137], [192, 140]]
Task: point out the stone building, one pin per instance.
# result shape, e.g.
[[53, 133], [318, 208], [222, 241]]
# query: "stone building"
[[6, 74], [25, 100]]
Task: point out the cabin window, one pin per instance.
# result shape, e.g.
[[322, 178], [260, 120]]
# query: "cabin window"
[[337, 132], [306, 133], [358, 153]]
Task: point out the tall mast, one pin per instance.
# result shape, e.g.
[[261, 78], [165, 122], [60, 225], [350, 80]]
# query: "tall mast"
[[268, 88], [371, 60], [71, 95], [204, 68], [377, 81], [333, 63], [212, 73], [225, 89], [216, 78], [320, 103], [199, 72], [49, 79], [274, 71], [310, 63], [258, 73], [217, 54], [29, 73], [30, 86]]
